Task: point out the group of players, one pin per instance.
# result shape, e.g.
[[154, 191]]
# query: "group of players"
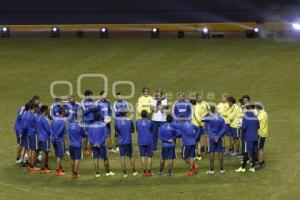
[[200, 127]]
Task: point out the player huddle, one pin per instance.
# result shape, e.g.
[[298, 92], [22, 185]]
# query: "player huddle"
[[199, 127]]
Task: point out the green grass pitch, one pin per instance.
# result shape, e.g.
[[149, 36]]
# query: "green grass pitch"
[[267, 70]]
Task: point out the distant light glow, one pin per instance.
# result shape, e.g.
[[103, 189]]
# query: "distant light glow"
[[154, 30], [103, 30], [54, 29], [296, 26], [256, 30], [4, 29], [205, 30]]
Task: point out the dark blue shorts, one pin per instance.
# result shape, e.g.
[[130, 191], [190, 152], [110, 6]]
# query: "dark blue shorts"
[[19, 139], [188, 151], [261, 142], [75, 153], [215, 146], [44, 146], [234, 132], [168, 153], [228, 130], [146, 150], [251, 147], [33, 142], [59, 149], [125, 150], [100, 152], [25, 141]]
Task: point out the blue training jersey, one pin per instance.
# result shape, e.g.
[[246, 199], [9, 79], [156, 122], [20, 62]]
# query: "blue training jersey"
[[124, 128], [119, 106], [24, 120], [88, 108], [18, 122], [58, 129], [187, 131], [97, 133], [144, 129], [71, 109], [103, 107], [216, 126], [31, 123], [167, 132], [43, 128], [182, 109], [54, 110], [250, 126], [76, 133]]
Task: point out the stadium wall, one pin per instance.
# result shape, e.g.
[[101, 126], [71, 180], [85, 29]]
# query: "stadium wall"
[[145, 11]]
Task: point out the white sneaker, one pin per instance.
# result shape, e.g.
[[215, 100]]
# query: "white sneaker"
[[125, 175], [134, 173], [97, 175], [110, 174], [210, 172], [117, 150], [222, 171]]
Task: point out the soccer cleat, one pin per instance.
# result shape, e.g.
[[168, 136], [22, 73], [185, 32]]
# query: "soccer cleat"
[[252, 170], [117, 150], [125, 175], [62, 171], [222, 171], [145, 174], [75, 176], [170, 174], [210, 172], [159, 173], [45, 171], [190, 173], [34, 168], [195, 169], [233, 154], [59, 173], [150, 174], [110, 173], [18, 161], [240, 170], [198, 158], [226, 152], [134, 173], [97, 175]]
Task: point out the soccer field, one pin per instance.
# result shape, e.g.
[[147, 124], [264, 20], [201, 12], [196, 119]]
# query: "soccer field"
[[267, 70]]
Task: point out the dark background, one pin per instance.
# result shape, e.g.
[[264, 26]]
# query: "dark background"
[[145, 11]]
